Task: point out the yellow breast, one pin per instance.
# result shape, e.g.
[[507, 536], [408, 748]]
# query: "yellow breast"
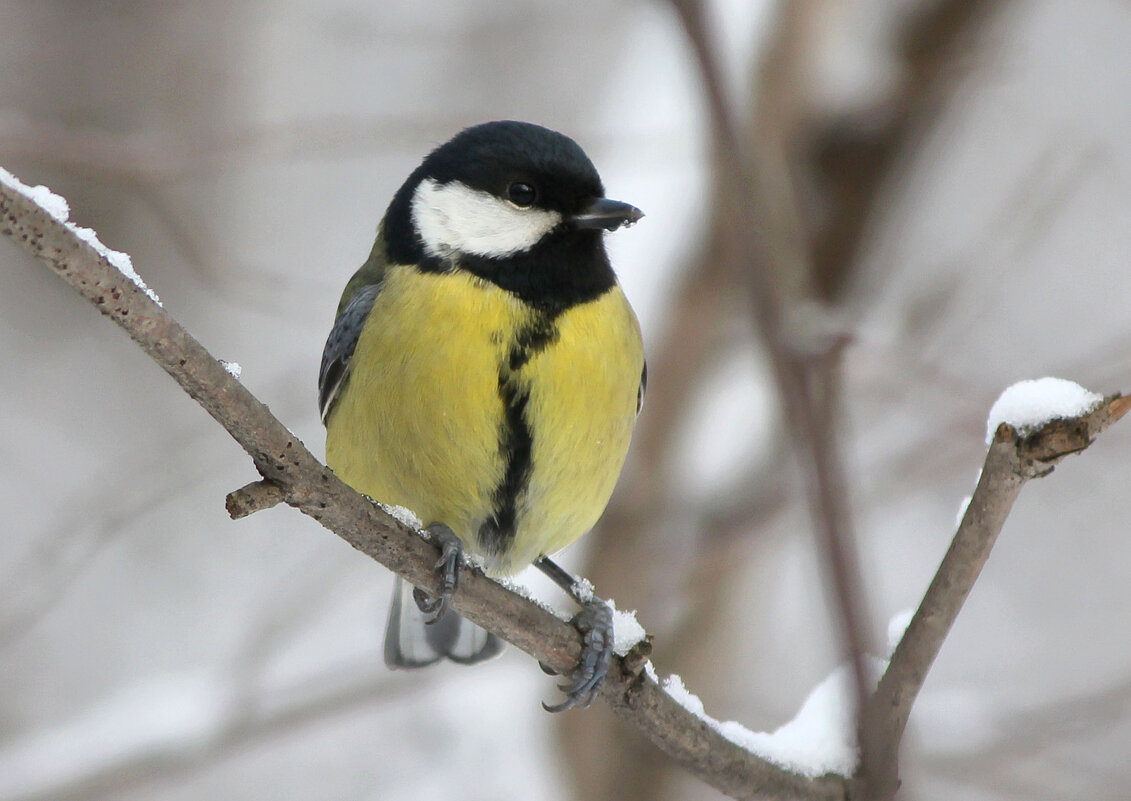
[[443, 383]]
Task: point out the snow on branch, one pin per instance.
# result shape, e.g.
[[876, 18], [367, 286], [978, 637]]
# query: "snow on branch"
[[58, 207], [34, 220], [1029, 405], [1035, 424]]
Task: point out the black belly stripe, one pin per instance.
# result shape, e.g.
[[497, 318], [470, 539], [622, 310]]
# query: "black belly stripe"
[[531, 338], [516, 441], [515, 445]]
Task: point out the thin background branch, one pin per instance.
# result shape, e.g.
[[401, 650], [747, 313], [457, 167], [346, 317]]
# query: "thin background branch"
[[765, 238]]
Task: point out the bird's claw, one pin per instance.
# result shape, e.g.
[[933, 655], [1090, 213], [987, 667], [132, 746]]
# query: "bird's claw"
[[595, 621], [448, 566]]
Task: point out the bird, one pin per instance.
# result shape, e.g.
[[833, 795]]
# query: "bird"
[[485, 370]]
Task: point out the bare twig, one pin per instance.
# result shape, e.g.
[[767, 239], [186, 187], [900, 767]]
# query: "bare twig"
[[255, 497], [1011, 461], [313, 489]]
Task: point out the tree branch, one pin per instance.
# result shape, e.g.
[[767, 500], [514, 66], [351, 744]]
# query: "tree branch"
[[1012, 460], [309, 486]]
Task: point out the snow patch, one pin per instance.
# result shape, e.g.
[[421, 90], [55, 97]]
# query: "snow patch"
[[516, 585], [57, 207], [897, 626], [627, 631], [673, 685], [583, 590], [963, 505], [403, 515], [650, 671], [1028, 405], [820, 739]]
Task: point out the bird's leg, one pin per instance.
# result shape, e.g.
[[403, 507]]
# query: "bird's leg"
[[448, 566], [595, 622]]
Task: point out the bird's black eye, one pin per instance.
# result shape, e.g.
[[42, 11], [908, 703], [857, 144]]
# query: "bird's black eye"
[[521, 194]]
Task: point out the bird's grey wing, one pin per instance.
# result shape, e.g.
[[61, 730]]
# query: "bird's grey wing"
[[340, 346]]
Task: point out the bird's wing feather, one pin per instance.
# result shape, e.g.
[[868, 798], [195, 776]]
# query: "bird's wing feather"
[[340, 346]]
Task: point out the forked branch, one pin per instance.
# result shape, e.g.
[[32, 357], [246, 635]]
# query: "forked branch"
[[1012, 460]]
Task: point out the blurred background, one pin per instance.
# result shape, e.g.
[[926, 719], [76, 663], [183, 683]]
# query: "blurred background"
[[960, 169]]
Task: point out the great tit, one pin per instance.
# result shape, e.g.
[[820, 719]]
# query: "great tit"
[[485, 371]]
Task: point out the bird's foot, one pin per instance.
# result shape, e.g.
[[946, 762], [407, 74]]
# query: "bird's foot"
[[595, 621], [448, 566]]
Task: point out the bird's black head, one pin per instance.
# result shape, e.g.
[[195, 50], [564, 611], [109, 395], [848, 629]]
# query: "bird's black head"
[[517, 204]]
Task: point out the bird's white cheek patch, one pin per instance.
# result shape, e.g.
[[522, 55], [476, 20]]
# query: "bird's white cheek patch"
[[453, 217]]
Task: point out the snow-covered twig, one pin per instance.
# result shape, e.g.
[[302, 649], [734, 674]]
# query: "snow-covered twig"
[[313, 489], [1027, 449]]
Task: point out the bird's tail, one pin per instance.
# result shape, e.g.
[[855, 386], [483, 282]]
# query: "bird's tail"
[[412, 643]]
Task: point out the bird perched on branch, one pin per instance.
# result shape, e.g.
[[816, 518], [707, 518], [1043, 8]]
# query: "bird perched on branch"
[[485, 371]]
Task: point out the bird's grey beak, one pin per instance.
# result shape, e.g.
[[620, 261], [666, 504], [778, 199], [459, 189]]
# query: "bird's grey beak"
[[604, 213]]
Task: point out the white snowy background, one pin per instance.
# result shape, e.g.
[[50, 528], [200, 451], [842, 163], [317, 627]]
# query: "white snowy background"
[[242, 153]]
